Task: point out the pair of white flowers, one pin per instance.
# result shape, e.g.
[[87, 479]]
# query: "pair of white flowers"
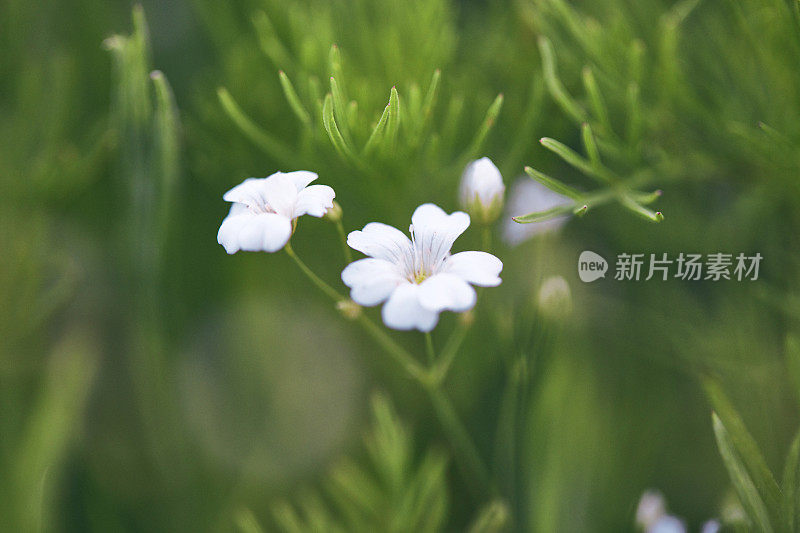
[[417, 278]]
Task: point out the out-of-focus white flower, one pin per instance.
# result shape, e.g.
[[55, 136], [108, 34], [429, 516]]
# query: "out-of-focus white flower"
[[652, 507], [482, 190], [417, 277], [264, 210], [711, 526], [555, 298], [527, 196], [668, 524]]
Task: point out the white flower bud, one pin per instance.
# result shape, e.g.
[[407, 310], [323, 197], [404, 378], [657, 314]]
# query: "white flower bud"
[[482, 190], [651, 509], [555, 298]]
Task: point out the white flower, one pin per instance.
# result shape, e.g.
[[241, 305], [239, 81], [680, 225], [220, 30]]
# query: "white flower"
[[652, 507], [555, 298], [264, 210], [668, 524], [528, 196], [418, 278], [482, 190]]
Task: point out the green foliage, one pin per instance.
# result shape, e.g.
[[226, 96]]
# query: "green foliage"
[[128, 401], [396, 492]]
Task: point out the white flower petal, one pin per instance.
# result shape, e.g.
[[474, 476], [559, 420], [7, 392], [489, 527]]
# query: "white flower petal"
[[314, 200], [668, 524], [276, 193], [248, 192], [381, 241], [228, 234], [435, 231], [301, 178], [371, 280], [479, 268], [267, 232], [403, 310], [446, 292]]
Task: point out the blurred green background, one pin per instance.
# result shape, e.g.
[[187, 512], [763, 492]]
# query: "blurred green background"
[[150, 382]]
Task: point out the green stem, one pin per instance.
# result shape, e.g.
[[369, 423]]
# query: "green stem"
[[468, 459], [429, 348], [397, 352], [487, 238], [316, 280], [448, 355], [348, 256]]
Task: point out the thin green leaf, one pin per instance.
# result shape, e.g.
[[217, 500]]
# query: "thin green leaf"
[[745, 446], [634, 129], [340, 110], [293, 99], [265, 141], [378, 132], [590, 146], [648, 214], [596, 101], [392, 121], [553, 184], [645, 198], [485, 128], [541, 216], [557, 91], [573, 158], [791, 490], [742, 483], [268, 40], [329, 121]]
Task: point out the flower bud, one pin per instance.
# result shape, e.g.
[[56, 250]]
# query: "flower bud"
[[349, 309], [482, 190], [555, 298], [334, 214], [652, 507]]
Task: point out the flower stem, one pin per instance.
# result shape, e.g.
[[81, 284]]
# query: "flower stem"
[[316, 280], [348, 256], [467, 457], [487, 238], [398, 353], [449, 353], [429, 348]]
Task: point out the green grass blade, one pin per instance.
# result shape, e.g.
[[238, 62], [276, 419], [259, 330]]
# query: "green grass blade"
[[574, 159], [745, 447], [557, 91], [329, 121], [378, 132], [553, 184], [486, 126], [742, 483], [252, 131], [541, 216], [590, 146], [293, 99], [596, 100], [791, 492]]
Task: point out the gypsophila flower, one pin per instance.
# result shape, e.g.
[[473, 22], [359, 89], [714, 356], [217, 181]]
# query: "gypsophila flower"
[[418, 278], [526, 196], [482, 190], [264, 210], [651, 508]]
